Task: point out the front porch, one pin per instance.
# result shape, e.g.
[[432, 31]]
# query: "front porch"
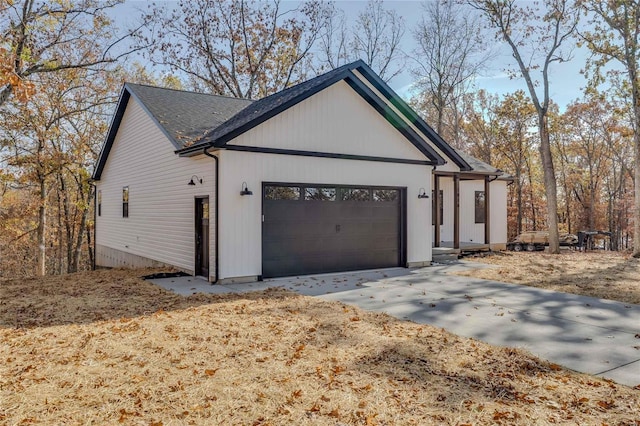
[[447, 252], [449, 247]]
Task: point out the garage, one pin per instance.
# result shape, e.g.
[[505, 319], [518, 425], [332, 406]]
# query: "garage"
[[316, 228]]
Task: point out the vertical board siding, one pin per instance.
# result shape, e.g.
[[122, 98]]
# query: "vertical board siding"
[[241, 233], [160, 225], [449, 166], [336, 120], [469, 230], [498, 212]]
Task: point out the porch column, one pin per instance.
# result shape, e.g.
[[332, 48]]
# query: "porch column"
[[456, 211], [487, 210], [436, 211]]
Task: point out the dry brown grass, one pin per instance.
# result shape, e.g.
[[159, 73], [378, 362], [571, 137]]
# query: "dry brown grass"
[[603, 274], [108, 348]]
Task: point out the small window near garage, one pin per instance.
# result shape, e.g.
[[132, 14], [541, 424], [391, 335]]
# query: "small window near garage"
[[385, 195], [356, 194], [320, 194], [433, 207], [125, 201], [479, 203], [99, 203], [282, 193]]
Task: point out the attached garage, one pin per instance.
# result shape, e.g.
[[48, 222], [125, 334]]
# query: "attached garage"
[[314, 228], [329, 175]]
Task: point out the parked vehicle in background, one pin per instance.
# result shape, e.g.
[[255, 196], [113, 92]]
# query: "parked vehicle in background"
[[538, 240]]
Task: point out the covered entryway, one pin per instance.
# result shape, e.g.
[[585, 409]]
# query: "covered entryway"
[[309, 229]]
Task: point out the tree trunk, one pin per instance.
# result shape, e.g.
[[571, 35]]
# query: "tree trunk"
[[42, 220], [5, 92], [549, 184], [636, 203], [519, 203], [531, 198], [75, 264]]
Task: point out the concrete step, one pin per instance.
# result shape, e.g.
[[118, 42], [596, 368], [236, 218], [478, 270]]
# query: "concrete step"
[[444, 257]]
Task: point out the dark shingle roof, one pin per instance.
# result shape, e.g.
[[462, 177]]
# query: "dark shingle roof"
[[478, 166], [194, 121], [270, 105], [186, 116]]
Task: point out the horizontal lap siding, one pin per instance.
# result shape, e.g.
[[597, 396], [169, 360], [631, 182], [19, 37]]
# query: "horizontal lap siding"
[[160, 225]]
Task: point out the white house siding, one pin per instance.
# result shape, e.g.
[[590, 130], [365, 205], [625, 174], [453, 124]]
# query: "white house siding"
[[499, 215], [336, 120], [469, 230], [449, 166], [160, 225], [241, 233], [446, 229]]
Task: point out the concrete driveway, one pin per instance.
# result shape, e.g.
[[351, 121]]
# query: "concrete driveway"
[[589, 335]]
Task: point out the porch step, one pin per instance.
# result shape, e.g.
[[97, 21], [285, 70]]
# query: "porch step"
[[444, 257]]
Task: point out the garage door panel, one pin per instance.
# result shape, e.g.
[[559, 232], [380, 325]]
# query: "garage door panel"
[[314, 236]]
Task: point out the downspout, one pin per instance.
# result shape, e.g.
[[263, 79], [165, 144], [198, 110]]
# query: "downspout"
[[216, 211], [95, 227]]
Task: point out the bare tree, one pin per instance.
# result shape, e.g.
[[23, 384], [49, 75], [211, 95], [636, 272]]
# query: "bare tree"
[[240, 48], [450, 52], [616, 37], [375, 38], [36, 34], [536, 38]]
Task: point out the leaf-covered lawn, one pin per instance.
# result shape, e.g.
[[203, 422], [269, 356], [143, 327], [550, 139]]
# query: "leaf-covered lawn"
[[602, 274], [108, 348]]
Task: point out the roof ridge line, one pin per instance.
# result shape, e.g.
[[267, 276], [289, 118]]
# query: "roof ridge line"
[[193, 92]]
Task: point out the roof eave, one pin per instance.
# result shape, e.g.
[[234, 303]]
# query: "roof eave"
[[123, 100], [411, 115], [359, 87]]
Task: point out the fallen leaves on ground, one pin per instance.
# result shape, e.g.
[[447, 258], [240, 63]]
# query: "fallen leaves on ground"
[[109, 348], [601, 274]]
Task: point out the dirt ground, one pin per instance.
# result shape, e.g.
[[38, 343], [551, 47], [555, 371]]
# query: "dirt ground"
[[109, 348], [602, 274]]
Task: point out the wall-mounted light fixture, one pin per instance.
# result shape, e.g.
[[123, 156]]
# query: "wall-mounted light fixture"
[[245, 190], [193, 182], [422, 193]]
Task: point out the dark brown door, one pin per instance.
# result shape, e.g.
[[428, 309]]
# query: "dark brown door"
[[316, 229], [202, 236]]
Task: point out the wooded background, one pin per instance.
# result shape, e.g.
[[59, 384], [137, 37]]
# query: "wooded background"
[[63, 63]]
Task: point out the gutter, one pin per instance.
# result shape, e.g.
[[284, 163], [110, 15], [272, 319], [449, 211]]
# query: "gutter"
[[216, 211]]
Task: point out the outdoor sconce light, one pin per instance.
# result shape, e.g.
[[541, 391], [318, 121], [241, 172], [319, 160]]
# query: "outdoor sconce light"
[[192, 182], [422, 193], [245, 190]]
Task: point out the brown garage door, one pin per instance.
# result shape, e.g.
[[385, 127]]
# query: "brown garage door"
[[310, 229]]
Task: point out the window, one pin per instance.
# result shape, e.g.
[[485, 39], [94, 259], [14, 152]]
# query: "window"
[[320, 194], [282, 193], [125, 201], [99, 203], [433, 207], [385, 195], [355, 194], [480, 202]]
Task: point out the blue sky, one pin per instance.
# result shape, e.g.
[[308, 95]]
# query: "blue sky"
[[566, 80]]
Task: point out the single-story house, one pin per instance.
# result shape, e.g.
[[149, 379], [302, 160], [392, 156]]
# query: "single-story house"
[[332, 174]]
